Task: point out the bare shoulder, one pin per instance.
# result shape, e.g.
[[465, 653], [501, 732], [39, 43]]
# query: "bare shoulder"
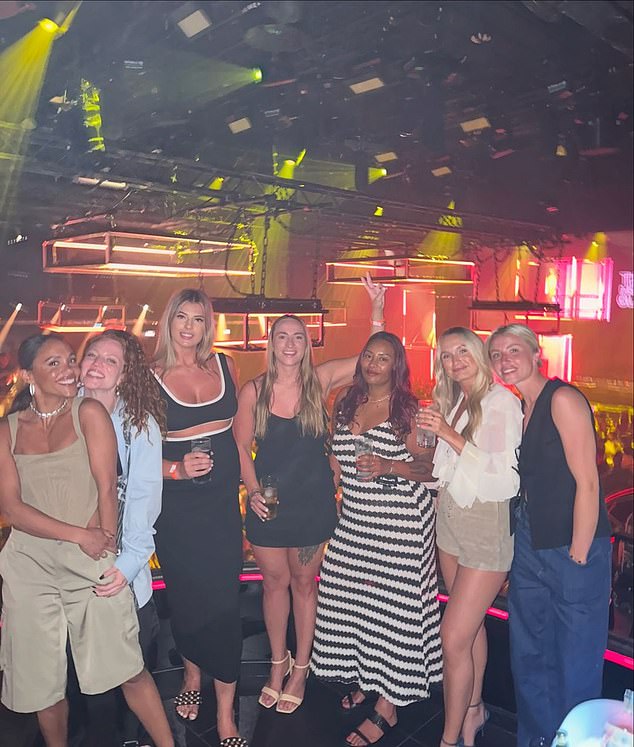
[[571, 412], [91, 410], [567, 399], [249, 391]]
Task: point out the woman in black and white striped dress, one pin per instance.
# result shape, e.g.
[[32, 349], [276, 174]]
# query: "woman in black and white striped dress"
[[378, 616]]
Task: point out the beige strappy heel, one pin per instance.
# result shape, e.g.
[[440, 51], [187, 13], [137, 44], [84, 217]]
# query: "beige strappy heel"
[[293, 699], [275, 694]]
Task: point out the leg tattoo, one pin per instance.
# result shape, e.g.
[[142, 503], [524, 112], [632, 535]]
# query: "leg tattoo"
[[306, 554]]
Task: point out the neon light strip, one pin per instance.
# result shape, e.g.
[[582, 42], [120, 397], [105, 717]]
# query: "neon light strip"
[[115, 248], [429, 260], [619, 659], [235, 343], [118, 268], [118, 323], [547, 317], [360, 266], [392, 280], [100, 246]]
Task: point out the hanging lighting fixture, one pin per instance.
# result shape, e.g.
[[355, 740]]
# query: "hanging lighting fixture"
[[404, 269], [244, 323], [136, 254], [79, 317]]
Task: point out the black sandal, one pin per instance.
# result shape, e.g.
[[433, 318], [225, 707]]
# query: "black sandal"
[[378, 720], [187, 698], [349, 699]]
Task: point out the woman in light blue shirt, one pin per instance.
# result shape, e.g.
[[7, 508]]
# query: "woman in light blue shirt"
[[114, 371]]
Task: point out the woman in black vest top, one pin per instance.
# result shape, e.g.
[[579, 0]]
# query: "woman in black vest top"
[[560, 577]]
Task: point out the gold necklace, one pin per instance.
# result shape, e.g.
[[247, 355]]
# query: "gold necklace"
[[47, 415], [381, 399]]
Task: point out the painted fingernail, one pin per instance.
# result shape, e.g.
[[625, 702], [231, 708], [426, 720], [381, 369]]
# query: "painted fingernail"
[[101, 577]]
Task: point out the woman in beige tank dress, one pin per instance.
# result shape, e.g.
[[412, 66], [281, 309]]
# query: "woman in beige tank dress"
[[57, 460]]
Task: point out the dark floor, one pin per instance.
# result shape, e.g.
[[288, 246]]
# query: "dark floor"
[[318, 723]]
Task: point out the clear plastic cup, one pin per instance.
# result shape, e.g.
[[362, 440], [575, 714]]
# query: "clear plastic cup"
[[362, 447], [426, 439]]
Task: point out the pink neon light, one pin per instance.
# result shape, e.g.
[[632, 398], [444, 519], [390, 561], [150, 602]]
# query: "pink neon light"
[[620, 659]]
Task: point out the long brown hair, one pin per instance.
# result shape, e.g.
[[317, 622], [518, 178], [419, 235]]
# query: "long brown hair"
[[311, 414], [138, 389], [164, 357]]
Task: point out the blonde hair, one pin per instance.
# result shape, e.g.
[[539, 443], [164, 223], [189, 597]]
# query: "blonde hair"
[[312, 416], [446, 392], [525, 334], [164, 357]]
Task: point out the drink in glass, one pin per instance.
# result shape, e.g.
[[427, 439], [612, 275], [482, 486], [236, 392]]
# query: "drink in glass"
[[363, 447], [425, 438], [269, 493], [202, 444]]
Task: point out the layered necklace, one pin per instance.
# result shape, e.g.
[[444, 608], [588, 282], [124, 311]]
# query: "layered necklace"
[[47, 415]]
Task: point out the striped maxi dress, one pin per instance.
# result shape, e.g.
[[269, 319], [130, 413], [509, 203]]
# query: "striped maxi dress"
[[377, 614]]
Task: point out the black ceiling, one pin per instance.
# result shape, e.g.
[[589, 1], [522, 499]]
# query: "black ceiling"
[[552, 73]]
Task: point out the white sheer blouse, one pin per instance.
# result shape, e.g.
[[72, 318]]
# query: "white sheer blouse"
[[486, 469]]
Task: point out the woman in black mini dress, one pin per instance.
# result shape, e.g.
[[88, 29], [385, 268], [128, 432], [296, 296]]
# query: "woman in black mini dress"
[[199, 531], [283, 409]]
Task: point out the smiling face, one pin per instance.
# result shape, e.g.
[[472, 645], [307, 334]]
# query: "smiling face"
[[457, 361], [289, 342], [188, 325], [377, 363], [55, 371], [512, 358], [102, 365]]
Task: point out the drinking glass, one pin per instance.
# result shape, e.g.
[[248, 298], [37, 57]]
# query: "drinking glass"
[[270, 495], [362, 447], [426, 439], [202, 444]]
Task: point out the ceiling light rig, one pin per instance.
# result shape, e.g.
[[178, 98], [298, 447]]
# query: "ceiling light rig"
[[140, 255], [79, 317], [399, 270]]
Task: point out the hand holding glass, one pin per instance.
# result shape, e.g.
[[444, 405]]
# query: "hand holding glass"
[[270, 496], [363, 449], [425, 438], [203, 445]]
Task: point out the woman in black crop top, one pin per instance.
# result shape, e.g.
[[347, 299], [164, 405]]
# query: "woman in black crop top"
[[199, 532], [560, 577], [284, 410]]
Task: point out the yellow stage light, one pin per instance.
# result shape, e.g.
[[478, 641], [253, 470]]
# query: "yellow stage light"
[[257, 75], [49, 26]]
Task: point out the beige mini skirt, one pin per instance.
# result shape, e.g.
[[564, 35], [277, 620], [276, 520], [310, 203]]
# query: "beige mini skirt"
[[479, 536]]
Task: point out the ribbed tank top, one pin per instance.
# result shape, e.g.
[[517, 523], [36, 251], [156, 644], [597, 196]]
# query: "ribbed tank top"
[[59, 484]]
